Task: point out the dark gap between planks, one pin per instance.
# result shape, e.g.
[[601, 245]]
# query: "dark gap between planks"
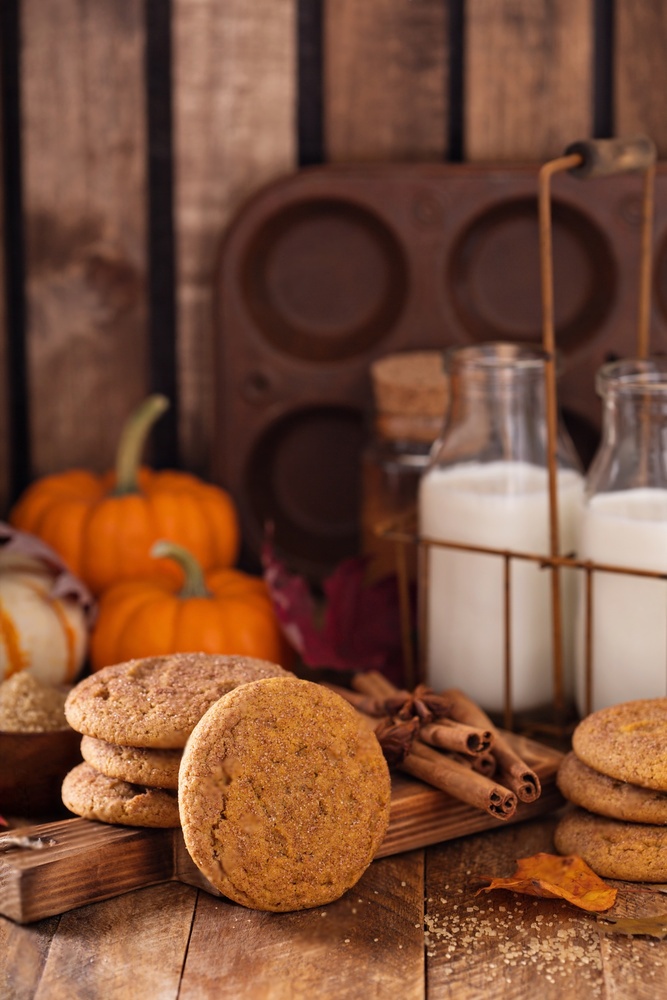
[[16, 377], [161, 232]]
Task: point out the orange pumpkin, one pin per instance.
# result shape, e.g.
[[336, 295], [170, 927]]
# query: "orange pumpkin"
[[104, 526], [220, 611]]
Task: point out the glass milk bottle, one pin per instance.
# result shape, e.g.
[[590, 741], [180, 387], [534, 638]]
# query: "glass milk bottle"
[[487, 485], [624, 524]]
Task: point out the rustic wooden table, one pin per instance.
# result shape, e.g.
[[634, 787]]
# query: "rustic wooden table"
[[413, 927]]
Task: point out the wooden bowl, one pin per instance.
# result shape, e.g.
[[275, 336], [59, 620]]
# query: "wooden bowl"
[[32, 768]]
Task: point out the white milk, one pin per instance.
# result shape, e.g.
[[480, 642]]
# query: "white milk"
[[626, 528], [500, 505]]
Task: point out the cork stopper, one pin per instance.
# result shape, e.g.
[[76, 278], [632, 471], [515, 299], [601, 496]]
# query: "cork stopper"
[[411, 392]]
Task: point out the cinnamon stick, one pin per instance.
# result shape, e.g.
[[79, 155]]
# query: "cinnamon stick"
[[376, 685], [515, 772], [484, 763], [367, 704], [459, 781], [451, 735]]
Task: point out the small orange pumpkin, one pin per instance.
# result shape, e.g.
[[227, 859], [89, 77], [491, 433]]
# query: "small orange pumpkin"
[[104, 526], [220, 611]]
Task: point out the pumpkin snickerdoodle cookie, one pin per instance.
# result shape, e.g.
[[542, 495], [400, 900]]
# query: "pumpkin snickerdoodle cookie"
[[284, 795], [605, 796], [92, 795], [156, 701], [626, 742], [138, 765], [633, 852]]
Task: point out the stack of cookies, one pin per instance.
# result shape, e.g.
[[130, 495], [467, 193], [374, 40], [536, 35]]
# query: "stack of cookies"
[[616, 777], [282, 791], [135, 719]]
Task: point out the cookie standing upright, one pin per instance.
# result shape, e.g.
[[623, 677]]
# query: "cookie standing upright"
[[284, 795]]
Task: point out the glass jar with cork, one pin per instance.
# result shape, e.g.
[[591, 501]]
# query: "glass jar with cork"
[[410, 399]]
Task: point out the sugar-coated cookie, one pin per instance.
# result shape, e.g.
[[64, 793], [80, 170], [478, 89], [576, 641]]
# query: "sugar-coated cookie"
[[627, 742], [605, 796], [92, 795], [156, 701], [284, 795], [633, 852], [138, 765]]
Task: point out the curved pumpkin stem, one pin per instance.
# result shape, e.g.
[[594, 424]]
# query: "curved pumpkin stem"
[[194, 584], [132, 441]]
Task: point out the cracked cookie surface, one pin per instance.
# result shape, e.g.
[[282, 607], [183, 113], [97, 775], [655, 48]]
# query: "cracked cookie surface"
[[138, 765], [633, 852], [92, 795], [627, 742], [598, 793], [284, 795], [156, 701]]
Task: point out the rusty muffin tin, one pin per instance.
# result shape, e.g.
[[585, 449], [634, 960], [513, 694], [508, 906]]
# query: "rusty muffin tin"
[[329, 268]]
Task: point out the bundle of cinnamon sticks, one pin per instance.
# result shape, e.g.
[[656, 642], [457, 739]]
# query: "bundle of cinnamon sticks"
[[446, 740]]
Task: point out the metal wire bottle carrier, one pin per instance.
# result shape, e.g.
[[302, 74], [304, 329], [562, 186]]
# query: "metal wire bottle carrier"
[[585, 159]]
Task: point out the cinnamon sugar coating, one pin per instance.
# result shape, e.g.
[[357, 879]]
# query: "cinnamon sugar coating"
[[156, 701], [92, 795], [284, 795], [633, 852], [598, 793], [138, 765], [627, 742]]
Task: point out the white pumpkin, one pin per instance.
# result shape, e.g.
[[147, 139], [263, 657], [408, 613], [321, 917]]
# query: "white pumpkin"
[[39, 632]]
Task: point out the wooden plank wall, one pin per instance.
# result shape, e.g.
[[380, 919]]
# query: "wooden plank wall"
[[134, 129]]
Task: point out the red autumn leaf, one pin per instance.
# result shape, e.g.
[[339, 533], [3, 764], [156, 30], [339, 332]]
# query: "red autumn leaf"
[[554, 877], [358, 627]]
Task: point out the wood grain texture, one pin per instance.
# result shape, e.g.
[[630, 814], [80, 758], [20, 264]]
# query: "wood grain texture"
[[386, 79], [635, 966], [169, 941], [234, 121], [84, 193], [5, 454], [528, 77], [640, 70], [491, 946], [85, 862], [131, 947], [23, 956], [369, 943]]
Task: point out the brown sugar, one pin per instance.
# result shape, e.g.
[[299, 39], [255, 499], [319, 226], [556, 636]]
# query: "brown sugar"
[[29, 706]]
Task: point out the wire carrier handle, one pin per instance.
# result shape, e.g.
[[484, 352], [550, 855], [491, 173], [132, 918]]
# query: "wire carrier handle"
[[586, 158]]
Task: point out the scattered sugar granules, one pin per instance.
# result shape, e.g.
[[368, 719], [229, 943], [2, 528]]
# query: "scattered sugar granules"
[[516, 938]]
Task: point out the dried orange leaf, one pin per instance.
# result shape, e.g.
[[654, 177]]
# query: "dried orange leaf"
[[649, 926], [554, 877]]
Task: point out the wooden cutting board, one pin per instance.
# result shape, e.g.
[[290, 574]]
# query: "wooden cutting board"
[[85, 862]]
